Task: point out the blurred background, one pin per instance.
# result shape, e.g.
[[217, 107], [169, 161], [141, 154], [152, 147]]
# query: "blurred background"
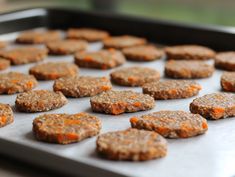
[[216, 12]]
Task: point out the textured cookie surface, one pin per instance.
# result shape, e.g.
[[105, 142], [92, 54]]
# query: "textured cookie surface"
[[68, 46], [24, 55], [65, 128], [184, 69], [214, 106], [39, 100], [14, 82], [38, 37], [225, 60], [189, 52], [88, 34], [143, 53], [4, 64], [6, 115], [131, 144], [134, 76], [118, 102], [172, 124], [103, 59], [120, 42], [53, 70], [228, 81], [82, 86], [171, 89]]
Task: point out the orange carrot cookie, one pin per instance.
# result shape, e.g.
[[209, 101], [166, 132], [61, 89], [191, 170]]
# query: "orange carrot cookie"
[[184, 69], [172, 124], [225, 60], [228, 81], [2, 44], [143, 53], [171, 89], [88, 34], [214, 106], [4, 64], [134, 76], [6, 115], [39, 101], [118, 102], [24, 55], [14, 82], [65, 47], [65, 128], [103, 59], [120, 42], [189, 52], [38, 37], [82, 86], [53, 70], [131, 144]]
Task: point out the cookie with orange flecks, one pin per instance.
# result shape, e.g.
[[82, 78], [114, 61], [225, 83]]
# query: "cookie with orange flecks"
[[53, 70], [4, 64], [82, 86], [14, 82], [102, 59], [214, 105], [118, 102], [134, 76], [65, 128], [171, 89], [172, 124], [6, 115], [225, 60], [227, 81]]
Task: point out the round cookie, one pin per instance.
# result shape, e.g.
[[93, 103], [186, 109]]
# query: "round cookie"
[[171, 89], [82, 86], [65, 128], [225, 60], [227, 81], [39, 101], [185, 69], [134, 76], [214, 106], [120, 42], [131, 144], [172, 124], [65, 47], [143, 53], [4, 64], [88, 34], [38, 37], [14, 82], [6, 115], [24, 55], [189, 52], [103, 59], [53, 70], [118, 102], [2, 44]]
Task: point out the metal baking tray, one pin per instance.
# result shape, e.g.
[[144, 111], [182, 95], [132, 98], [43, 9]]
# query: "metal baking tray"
[[212, 154]]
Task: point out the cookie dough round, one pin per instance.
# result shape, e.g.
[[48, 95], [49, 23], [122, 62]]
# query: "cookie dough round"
[[53, 70], [83, 86], [103, 59], [65, 128], [134, 76], [39, 101], [185, 69], [225, 61], [214, 105], [118, 102], [172, 124], [14, 82], [189, 52], [227, 81], [6, 115], [131, 144], [24, 55], [171, 89]]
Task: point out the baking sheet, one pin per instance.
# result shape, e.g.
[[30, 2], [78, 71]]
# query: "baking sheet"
[[212, 154]]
